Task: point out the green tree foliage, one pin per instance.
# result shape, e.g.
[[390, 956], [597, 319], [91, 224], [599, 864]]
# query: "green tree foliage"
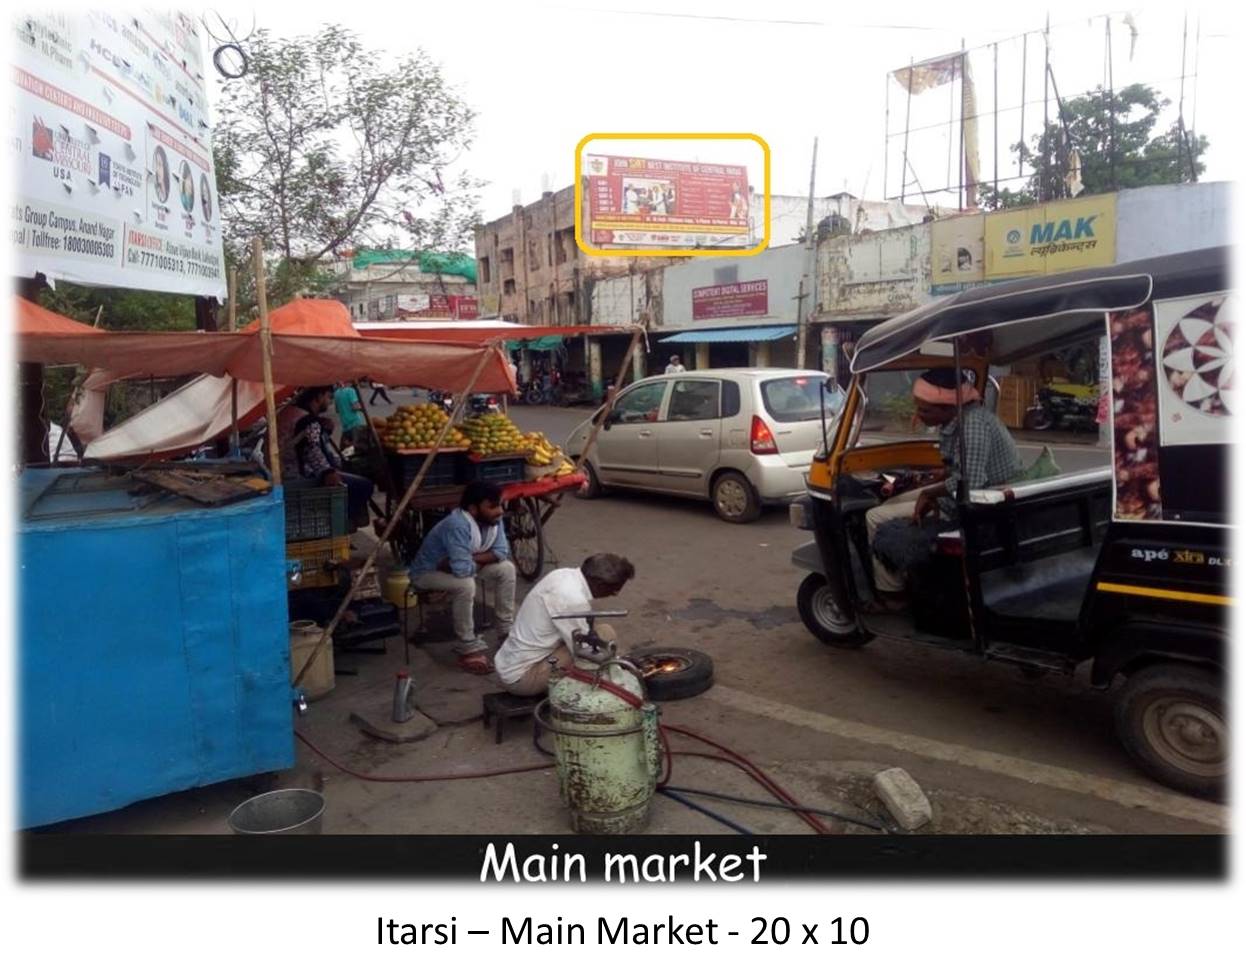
[[1119, 148], [325, 145]]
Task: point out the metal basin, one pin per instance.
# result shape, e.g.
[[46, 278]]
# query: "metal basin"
[[283, 811]]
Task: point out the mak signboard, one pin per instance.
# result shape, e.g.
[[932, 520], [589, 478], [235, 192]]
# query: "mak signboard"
[[1057, 237], [109, 130], [666, 203]]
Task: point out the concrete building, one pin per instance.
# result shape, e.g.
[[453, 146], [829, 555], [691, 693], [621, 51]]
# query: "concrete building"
[[389, 285]]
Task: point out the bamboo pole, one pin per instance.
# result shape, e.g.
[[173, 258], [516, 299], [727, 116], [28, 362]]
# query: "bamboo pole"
[[233, 300], [368, 565], [618, 383], [266, 358]]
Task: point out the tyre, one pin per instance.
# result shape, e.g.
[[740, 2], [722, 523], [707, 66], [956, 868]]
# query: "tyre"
[[672, 673], [823, 617], [526, 537], [593, 488], [1171, 719], [532, 397], [734, 498], [1036, 420]]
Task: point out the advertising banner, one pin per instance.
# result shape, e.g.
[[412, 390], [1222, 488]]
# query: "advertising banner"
[[1194, 341], [667, 203], [115, 183], [731, 299], [1057, 237], [437, 306], [957, 250]]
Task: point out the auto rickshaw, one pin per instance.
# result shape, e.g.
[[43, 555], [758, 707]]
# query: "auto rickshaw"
[[1125, 565]]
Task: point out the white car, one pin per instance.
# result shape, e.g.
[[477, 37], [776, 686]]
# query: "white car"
[[741, 438]]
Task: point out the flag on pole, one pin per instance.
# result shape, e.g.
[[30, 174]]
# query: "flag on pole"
[[929, 74]]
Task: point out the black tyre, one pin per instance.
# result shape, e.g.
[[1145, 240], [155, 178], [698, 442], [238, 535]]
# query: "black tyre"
[[1036, 420], [823, 617], [1171, 718], [734, 498], [532, 397], [593, 488], [672, 673], [526, 537]]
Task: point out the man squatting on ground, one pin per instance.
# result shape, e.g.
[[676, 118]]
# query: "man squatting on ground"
[[469, 544], [539, 643]]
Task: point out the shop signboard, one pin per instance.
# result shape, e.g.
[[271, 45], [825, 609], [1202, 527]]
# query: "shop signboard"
[[1056, 237], [731, 299], [112, 149], [638, 201]]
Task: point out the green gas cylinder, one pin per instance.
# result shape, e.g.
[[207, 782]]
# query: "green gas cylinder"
[[606, 749]]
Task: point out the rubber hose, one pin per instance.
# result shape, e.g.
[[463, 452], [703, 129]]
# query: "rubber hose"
[[428, 778], [779, 806], [707, 811]]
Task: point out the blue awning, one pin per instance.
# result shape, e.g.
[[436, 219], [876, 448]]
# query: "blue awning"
[[733, 335]]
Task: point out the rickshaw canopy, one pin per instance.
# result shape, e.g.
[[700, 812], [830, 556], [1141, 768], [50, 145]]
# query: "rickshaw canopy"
[[1050, 307]]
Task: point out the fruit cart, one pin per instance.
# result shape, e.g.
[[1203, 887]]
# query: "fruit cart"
[[533, 474]]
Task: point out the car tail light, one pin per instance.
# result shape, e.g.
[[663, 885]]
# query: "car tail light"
[[761, 439], [950, 543]]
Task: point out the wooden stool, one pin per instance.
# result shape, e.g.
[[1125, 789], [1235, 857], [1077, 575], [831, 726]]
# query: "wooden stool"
[[502, 705]]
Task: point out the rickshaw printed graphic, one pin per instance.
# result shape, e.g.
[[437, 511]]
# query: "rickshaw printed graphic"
[[1134, 413], [1198, 358]]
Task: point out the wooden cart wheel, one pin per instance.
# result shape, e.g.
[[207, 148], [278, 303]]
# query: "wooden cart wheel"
[[526, 536]]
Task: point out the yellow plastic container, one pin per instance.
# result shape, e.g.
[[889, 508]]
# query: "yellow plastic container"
[[320, 680], [395, 588]]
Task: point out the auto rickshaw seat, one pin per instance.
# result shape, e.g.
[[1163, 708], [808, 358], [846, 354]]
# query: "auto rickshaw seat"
[[1050, 588]]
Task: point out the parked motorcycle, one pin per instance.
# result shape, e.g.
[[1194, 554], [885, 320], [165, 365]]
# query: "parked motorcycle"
[[1059, 405]]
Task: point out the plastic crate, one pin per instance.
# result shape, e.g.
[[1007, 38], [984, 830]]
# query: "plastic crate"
[[493, 469], [320, 561], [313, 513], [443, 472]]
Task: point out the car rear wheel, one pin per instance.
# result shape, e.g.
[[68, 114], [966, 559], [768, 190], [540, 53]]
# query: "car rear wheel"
[[734, 498], [822, 615], [1171, 719]]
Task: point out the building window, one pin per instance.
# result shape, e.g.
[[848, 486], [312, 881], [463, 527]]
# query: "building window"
[[549, 248], [508, 287], [534, 255], [561, 244], [484, 270], [508, 263], [568, 302]]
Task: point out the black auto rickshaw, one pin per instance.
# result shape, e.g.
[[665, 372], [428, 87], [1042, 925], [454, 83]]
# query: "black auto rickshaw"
[[1124, 564]]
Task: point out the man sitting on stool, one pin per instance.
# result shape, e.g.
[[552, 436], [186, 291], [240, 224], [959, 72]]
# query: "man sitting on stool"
[[539, 643], [468, 544]]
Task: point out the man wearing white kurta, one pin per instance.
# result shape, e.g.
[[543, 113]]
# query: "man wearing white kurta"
[[539, 643]]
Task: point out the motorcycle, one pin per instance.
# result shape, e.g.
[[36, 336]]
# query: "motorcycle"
[[1060, 405]]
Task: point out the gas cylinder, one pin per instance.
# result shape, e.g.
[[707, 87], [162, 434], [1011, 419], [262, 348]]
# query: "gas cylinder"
[[606, 748]]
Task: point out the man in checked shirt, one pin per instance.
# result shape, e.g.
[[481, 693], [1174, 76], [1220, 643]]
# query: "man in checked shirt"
[[991, 459]]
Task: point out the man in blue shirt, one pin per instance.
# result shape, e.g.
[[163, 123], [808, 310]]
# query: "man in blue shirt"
[[350, 412], [468, 544]]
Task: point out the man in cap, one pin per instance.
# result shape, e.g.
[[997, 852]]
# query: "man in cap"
[[991, 459], [675, 366]]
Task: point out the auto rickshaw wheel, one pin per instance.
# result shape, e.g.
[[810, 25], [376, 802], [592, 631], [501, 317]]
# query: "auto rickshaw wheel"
[[822, 615], [1171, 719]]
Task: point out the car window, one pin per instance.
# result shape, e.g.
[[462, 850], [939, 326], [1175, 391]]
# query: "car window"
[[693, 401], [731, 399], [792, 399], [640, 404]]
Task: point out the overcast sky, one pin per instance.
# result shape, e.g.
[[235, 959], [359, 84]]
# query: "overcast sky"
[[543, 75]]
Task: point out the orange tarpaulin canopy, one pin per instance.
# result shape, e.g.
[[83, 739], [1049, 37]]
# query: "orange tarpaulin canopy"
[[477, 331], [34, 321], [313, 342]]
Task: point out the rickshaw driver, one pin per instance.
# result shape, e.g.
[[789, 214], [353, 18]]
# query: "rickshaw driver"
[[991, 458]]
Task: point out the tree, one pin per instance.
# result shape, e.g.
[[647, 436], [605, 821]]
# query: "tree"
[[1115, 138], [323, 145]]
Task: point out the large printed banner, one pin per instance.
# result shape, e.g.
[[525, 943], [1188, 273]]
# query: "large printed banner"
[[437, 306], [1057, 237], [115, 184], [666, 203]]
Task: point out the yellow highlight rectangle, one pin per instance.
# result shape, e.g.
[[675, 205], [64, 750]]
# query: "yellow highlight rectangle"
[[604, 253]]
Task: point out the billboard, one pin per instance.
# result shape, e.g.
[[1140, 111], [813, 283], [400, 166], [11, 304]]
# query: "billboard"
[[437, 306], [637, 202], [115, 182], [1074, 234], [731, 299], [957, 250]]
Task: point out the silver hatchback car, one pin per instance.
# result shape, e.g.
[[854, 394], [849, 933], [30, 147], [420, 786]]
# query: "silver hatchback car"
[[739, 437]]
